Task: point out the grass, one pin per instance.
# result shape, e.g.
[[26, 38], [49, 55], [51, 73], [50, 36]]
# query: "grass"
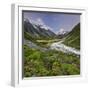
[[46, 43]]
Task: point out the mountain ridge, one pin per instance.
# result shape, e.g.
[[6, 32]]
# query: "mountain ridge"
[[37, 31]]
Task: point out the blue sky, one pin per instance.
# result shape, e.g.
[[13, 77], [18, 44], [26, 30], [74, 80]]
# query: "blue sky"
[[54, 21]]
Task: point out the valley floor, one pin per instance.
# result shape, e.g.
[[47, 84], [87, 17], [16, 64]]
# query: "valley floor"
[[54, 45]]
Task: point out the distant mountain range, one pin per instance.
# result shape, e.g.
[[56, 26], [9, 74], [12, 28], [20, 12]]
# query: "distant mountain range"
[[37, 31]]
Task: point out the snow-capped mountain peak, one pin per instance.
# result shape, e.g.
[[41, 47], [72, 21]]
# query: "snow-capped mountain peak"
[[61, 32], [39, 22]]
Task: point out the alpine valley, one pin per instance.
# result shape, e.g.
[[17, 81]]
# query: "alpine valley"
[[49, 54]]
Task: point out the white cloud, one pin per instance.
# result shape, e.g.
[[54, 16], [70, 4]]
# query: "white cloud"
[[39, 21]]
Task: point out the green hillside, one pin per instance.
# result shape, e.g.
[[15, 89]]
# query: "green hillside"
[[73, 38]]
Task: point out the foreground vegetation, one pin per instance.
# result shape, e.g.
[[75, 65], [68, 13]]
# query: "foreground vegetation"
[[49, 63]]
